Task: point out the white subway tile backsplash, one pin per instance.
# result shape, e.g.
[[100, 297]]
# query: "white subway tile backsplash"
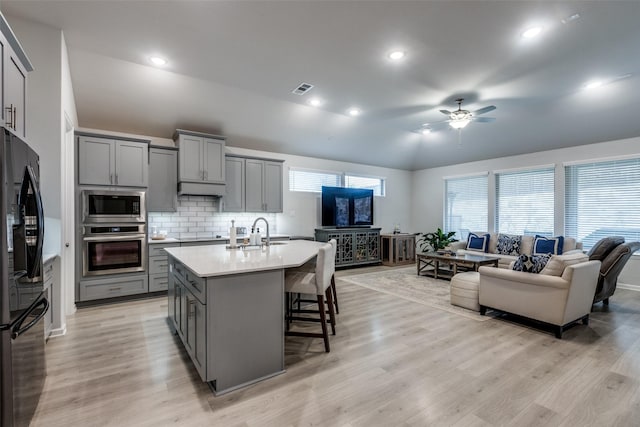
[[199, 217]]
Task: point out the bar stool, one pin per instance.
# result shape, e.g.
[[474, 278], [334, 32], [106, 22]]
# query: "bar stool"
[[334, 244], [317, 283]]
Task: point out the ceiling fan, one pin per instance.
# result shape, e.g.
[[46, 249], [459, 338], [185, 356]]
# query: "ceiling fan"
[[460, 118]]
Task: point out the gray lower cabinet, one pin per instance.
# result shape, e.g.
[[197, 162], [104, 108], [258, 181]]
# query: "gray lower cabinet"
[[162, 194], [231, 326], [159, 266], [107, 161], [112, 287], [253, 185]]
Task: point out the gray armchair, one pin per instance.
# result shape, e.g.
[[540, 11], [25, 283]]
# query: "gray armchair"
[[614, 255]]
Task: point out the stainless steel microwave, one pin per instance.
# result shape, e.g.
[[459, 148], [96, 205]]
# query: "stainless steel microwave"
[[100, 206]]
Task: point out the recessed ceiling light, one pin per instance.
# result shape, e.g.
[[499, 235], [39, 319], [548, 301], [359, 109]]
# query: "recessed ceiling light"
[[531, 32], [315, 102], [425, 131], [354, 111], [593, 84], [571, 18], [397, 55], [156, 60]]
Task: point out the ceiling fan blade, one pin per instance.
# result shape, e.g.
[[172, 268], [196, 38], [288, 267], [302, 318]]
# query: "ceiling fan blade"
[[446, 112], [438, 125], [485, 109], [484, 119]]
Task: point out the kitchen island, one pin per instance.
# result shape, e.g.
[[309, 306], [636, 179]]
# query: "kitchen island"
[[227, 306]]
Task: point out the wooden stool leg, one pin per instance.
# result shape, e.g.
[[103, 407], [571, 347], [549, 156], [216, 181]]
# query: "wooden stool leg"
[[323, 322], [332, 316], [335, 294]]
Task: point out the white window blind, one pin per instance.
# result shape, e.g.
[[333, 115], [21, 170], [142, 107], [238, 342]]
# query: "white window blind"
[[466, 205], [309, 180], [375, 184], [603, 199], [525, 202]]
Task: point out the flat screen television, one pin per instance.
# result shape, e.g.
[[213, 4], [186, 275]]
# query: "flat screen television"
[[347, 207]]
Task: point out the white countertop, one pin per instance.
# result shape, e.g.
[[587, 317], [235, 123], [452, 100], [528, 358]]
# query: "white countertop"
[[224, 238], [216, 260]]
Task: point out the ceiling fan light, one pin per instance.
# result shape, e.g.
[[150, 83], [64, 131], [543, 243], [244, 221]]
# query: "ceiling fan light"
[[459, 124]]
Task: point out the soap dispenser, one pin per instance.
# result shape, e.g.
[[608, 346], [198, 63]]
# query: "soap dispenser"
[[233, 240], [252, 237]]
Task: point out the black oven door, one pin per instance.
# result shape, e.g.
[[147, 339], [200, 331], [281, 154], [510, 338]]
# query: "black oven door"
[[113, 255]]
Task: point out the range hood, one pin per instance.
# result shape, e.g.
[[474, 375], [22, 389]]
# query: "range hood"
[[201, 189]]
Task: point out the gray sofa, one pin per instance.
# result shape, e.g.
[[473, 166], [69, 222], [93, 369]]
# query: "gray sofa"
[[570, 246]]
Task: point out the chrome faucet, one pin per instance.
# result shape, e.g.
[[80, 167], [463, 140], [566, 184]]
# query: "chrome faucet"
[[266, 222]]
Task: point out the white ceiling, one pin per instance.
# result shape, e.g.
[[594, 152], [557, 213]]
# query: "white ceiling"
[[233, 64]]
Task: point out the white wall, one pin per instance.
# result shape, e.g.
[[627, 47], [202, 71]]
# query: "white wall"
[[428, 185]]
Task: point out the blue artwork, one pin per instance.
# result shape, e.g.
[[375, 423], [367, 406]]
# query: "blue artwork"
[[342, 211]]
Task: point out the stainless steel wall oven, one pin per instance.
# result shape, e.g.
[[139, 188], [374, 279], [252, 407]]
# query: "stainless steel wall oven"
[[113, 248]]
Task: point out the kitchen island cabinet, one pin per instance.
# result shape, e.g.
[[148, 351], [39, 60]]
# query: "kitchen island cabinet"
[[227, 307]]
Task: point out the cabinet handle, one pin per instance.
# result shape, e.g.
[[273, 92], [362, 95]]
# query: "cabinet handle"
[[9, 121], [206, 175], [115, 289], [192, 308], [111, 179], [14, 118], [116, 179]]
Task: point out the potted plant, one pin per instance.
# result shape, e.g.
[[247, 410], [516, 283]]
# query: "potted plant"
[[436, 241]]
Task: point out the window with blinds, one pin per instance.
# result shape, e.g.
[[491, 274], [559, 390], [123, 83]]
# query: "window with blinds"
[[375, 184], [312, 181], [525, 202], [466, 205], [603, 199]]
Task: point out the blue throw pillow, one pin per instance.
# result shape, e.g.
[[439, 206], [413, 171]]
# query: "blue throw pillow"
[[531, 264], [478, 243], [548, 245]]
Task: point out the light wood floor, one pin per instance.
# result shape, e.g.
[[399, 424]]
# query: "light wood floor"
[[392, 363]]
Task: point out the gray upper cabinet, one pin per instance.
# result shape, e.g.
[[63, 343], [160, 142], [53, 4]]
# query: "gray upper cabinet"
[[234, 197], [191, 164], [272, 186], [105, 161], [201, 163], [14, 66], [253, 185], [201, 157], [162, 195], [253, 192]]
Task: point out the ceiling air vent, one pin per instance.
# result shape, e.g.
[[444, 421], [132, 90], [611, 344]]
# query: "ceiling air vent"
[[302, 89]]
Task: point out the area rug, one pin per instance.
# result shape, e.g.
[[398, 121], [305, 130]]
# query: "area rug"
[[404, 283]]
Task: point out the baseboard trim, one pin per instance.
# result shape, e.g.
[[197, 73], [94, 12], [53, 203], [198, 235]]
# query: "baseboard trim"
[[629, 287], [58, 332]]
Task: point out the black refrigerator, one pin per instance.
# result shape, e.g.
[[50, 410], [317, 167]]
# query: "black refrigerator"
[[22, 298]]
